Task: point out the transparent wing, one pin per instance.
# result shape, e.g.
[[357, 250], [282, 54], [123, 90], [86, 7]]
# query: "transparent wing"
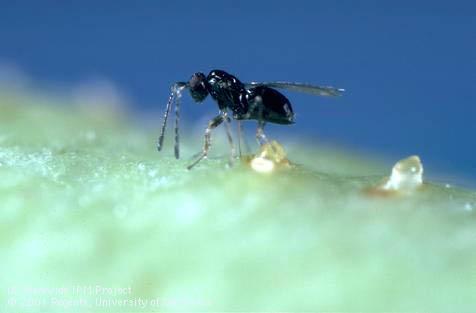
[[300, 87]]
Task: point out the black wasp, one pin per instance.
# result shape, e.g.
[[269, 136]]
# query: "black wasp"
[[246, 101]]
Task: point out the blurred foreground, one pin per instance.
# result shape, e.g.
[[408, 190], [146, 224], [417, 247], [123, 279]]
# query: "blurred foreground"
[[94, 219]]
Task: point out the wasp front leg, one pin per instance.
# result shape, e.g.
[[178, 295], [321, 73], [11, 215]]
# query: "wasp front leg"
[[216, 121]]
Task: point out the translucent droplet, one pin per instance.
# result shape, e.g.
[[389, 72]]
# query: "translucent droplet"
[[407, 175], [270, 156], [262, 165]]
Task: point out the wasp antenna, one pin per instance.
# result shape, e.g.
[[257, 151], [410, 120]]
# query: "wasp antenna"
[[166, 115], [177, 120]]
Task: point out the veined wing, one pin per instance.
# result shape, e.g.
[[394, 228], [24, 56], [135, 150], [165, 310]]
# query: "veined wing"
[[300, 87]]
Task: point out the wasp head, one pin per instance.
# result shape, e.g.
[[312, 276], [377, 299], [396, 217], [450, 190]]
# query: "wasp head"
[[198, 87]]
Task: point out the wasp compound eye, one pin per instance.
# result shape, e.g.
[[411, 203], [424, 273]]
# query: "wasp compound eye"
[[198, 88]]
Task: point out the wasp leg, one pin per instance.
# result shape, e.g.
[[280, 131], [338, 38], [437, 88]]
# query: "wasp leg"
[[242, 142], [240, 134], [242, 139], [230, 139], [160, 142], [177, 120], [260, 136], [217, 120]]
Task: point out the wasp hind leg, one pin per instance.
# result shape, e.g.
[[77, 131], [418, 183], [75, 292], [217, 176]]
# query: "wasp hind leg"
[[217, 120], [260, 136], [262, 139]]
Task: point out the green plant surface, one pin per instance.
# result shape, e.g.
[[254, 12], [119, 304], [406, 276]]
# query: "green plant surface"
[[86, 200]]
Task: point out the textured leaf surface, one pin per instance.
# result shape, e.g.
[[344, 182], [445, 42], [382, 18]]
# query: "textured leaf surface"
[[86, 200]]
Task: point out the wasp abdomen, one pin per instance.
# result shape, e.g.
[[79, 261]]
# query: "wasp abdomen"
[[269, 105]]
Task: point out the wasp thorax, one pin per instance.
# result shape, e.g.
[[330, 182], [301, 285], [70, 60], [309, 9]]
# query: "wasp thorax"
[[198, 87]]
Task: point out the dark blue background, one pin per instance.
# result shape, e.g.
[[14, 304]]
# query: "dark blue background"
[[408, 66]]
